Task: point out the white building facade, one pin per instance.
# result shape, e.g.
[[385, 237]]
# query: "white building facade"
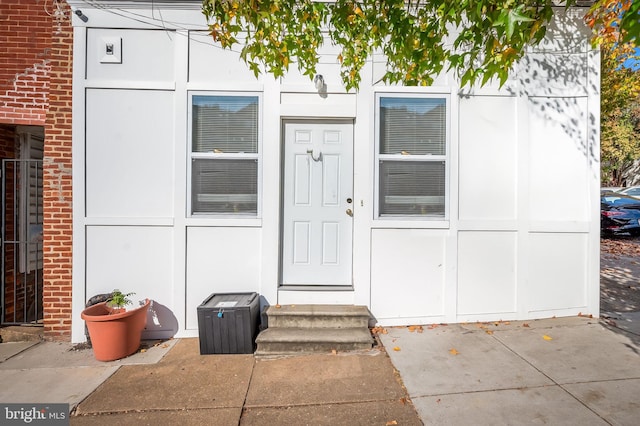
[[426, 204]]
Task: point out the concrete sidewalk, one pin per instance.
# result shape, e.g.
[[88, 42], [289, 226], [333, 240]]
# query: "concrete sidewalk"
[[356, 388], [557, 371]]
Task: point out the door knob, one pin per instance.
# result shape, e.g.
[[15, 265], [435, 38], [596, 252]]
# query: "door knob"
[[350, 212]]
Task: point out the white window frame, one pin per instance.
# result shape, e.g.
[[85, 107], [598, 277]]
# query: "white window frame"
[[399, 157], [211, 155]]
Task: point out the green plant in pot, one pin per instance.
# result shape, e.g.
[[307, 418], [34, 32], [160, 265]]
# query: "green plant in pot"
[[119, 300], [114, 331]]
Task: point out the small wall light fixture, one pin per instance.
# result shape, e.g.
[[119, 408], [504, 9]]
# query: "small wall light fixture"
[[318, 80], [81, 15]]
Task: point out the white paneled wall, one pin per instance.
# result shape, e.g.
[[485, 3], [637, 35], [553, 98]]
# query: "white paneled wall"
[[129, 153], [132, 259], [519, 241], [558, 160], [407, 274], [487, 266], [557, 265], [220, 260], [146, 55], [488, 158]]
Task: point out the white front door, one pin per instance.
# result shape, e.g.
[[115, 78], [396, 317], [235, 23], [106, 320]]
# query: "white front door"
[[317, 203]]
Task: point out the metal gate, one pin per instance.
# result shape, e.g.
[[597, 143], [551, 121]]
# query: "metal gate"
[[21, 242]]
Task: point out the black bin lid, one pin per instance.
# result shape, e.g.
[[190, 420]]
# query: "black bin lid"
[[229, 300]]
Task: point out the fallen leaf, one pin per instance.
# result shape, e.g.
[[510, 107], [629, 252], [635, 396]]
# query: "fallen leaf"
[[403, 401], [278, 306], [334, 352], [396, 348], [507, 323], [392, 422], [545, 337], [452, 351], [525, 325], [379, 330], [488, 331], [143, 350]]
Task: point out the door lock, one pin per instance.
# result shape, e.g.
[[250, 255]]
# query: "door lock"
[[350, 212]]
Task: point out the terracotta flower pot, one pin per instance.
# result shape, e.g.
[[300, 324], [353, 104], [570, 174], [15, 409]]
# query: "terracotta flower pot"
[[114, 334]]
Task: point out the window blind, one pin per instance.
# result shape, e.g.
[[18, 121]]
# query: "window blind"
[[225, 124], [412, 126]]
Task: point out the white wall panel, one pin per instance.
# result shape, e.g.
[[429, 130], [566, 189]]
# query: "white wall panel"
[[129, 153], [220, 260], [558, 159], [213, 64], [544, 74], [488, 158], [557, 265], [328, 66], [486, 272], [147, 55], [135, 259], [407, 273]]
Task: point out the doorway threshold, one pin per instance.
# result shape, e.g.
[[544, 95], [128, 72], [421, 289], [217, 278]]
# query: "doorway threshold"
[[290, 287]]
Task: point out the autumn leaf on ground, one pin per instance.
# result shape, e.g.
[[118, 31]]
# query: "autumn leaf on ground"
[[417, 328], [334, 352], [525, 325], [379, 330], [396, 348], [392, 422], [545, 337], [488, 331], [452, 351]]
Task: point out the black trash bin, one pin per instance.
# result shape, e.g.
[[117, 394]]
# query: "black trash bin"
[[228, 323]]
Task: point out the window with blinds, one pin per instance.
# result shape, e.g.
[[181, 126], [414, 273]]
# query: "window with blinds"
[[411, 156], [224, 154]]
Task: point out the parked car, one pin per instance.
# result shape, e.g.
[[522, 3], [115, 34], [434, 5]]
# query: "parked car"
[[633, 191], [619, 213], [611, 188]]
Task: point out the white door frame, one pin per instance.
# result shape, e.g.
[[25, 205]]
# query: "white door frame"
[[316, 237]]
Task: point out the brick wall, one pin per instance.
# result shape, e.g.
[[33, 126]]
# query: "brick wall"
[[25, 31], [57, 192], [35, 89]]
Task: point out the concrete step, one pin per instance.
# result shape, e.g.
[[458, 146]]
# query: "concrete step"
[[295, 340], [317, 316], [21, 333]]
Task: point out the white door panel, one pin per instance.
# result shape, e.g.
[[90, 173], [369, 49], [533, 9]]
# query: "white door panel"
[[318, 186]]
